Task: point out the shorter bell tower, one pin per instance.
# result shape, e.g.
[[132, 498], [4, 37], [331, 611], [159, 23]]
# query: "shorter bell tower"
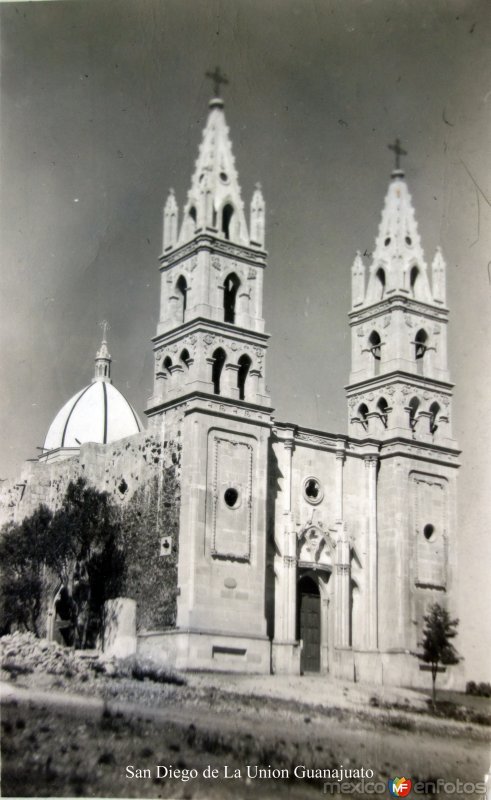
[[399, 382], [400, 406]]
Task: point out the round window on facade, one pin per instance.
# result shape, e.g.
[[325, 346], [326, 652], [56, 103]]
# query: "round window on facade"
[[429, 532], [312, 490], [231, 497]]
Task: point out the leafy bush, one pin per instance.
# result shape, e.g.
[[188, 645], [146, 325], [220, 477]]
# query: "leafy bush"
[[478, 689]]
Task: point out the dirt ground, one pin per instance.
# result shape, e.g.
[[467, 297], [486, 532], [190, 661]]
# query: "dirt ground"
[[69, 735]]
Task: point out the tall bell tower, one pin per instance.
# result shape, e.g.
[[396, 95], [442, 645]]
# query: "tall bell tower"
[[209, 393]]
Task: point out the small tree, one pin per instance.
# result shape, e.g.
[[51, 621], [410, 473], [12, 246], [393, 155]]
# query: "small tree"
[[84, 552], [437, 648]]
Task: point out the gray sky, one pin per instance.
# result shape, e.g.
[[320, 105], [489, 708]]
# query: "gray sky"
[[103, 104]]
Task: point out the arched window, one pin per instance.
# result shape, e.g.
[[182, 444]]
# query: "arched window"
[[420, 348], [182, 288], [383, 409], [167, 363], [413, 410], [362, 413], [219, 357], [227, 214], [380, 275], [434, 411], [413, 279], [193, 215], [244, 367], [230, 288], [185, 357], [375, 342]]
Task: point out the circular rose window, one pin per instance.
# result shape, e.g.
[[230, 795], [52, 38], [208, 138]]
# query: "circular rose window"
[[312, 490]]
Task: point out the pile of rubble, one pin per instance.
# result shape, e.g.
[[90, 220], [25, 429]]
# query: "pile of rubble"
[[22, 653]]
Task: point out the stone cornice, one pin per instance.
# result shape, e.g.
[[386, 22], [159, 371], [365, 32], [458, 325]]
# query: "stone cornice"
[[369, 447], [206, 241], [398, 377], [205, 325], [397, 302], [216, 405]]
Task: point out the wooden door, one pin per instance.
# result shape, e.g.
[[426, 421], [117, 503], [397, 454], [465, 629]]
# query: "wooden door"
[[309, 625]]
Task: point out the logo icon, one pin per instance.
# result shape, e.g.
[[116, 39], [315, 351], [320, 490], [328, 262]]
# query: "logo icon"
[[400, 787]]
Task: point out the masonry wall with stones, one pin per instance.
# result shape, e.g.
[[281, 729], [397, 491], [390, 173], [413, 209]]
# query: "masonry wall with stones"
[[142, 476]]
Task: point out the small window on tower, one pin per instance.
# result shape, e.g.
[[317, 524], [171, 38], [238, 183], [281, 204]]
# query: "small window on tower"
[[219, 357], [383, 409], [414, 279], [227, 214], [363, 415], [185, 357], [244, 367], [182, 288], [413, 410], [230, 289], [434, 412], [374, 341], [380, 275]]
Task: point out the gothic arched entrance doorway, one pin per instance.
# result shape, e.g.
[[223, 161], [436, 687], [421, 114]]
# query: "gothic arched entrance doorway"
[[309, 624]]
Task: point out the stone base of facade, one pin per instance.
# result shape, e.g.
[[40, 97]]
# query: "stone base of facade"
[[392, 669], [188, 649], [285, 658]]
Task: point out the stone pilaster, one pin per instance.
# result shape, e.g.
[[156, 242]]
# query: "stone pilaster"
[[371, 465]]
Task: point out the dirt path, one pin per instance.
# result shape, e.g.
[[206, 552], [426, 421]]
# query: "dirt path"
[[59, 743]]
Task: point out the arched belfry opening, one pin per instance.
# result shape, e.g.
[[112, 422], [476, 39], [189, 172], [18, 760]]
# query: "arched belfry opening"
[[219, 357], [230, 288], [434, 412], [182, 288], [380, 275], [193, 215], [244, 367], [413, 411], [309, 624], [375, 347], [414, 280], [227, 214], [420, 348]]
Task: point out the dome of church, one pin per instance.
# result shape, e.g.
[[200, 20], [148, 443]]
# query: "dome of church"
[[98, 413]]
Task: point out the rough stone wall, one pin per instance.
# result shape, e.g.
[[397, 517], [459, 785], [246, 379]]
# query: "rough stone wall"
[[142, 476]]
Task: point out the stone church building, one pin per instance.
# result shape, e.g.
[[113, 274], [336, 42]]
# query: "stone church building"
[[295, 550]]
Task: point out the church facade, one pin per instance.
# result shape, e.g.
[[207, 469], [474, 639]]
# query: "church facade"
[[295, 550]]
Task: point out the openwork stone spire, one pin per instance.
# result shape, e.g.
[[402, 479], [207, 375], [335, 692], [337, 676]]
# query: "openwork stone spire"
[[214, 201], [398, 263]]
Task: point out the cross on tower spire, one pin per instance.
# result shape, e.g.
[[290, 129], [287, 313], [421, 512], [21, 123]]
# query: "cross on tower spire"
[[396, 147], [217, 79]]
